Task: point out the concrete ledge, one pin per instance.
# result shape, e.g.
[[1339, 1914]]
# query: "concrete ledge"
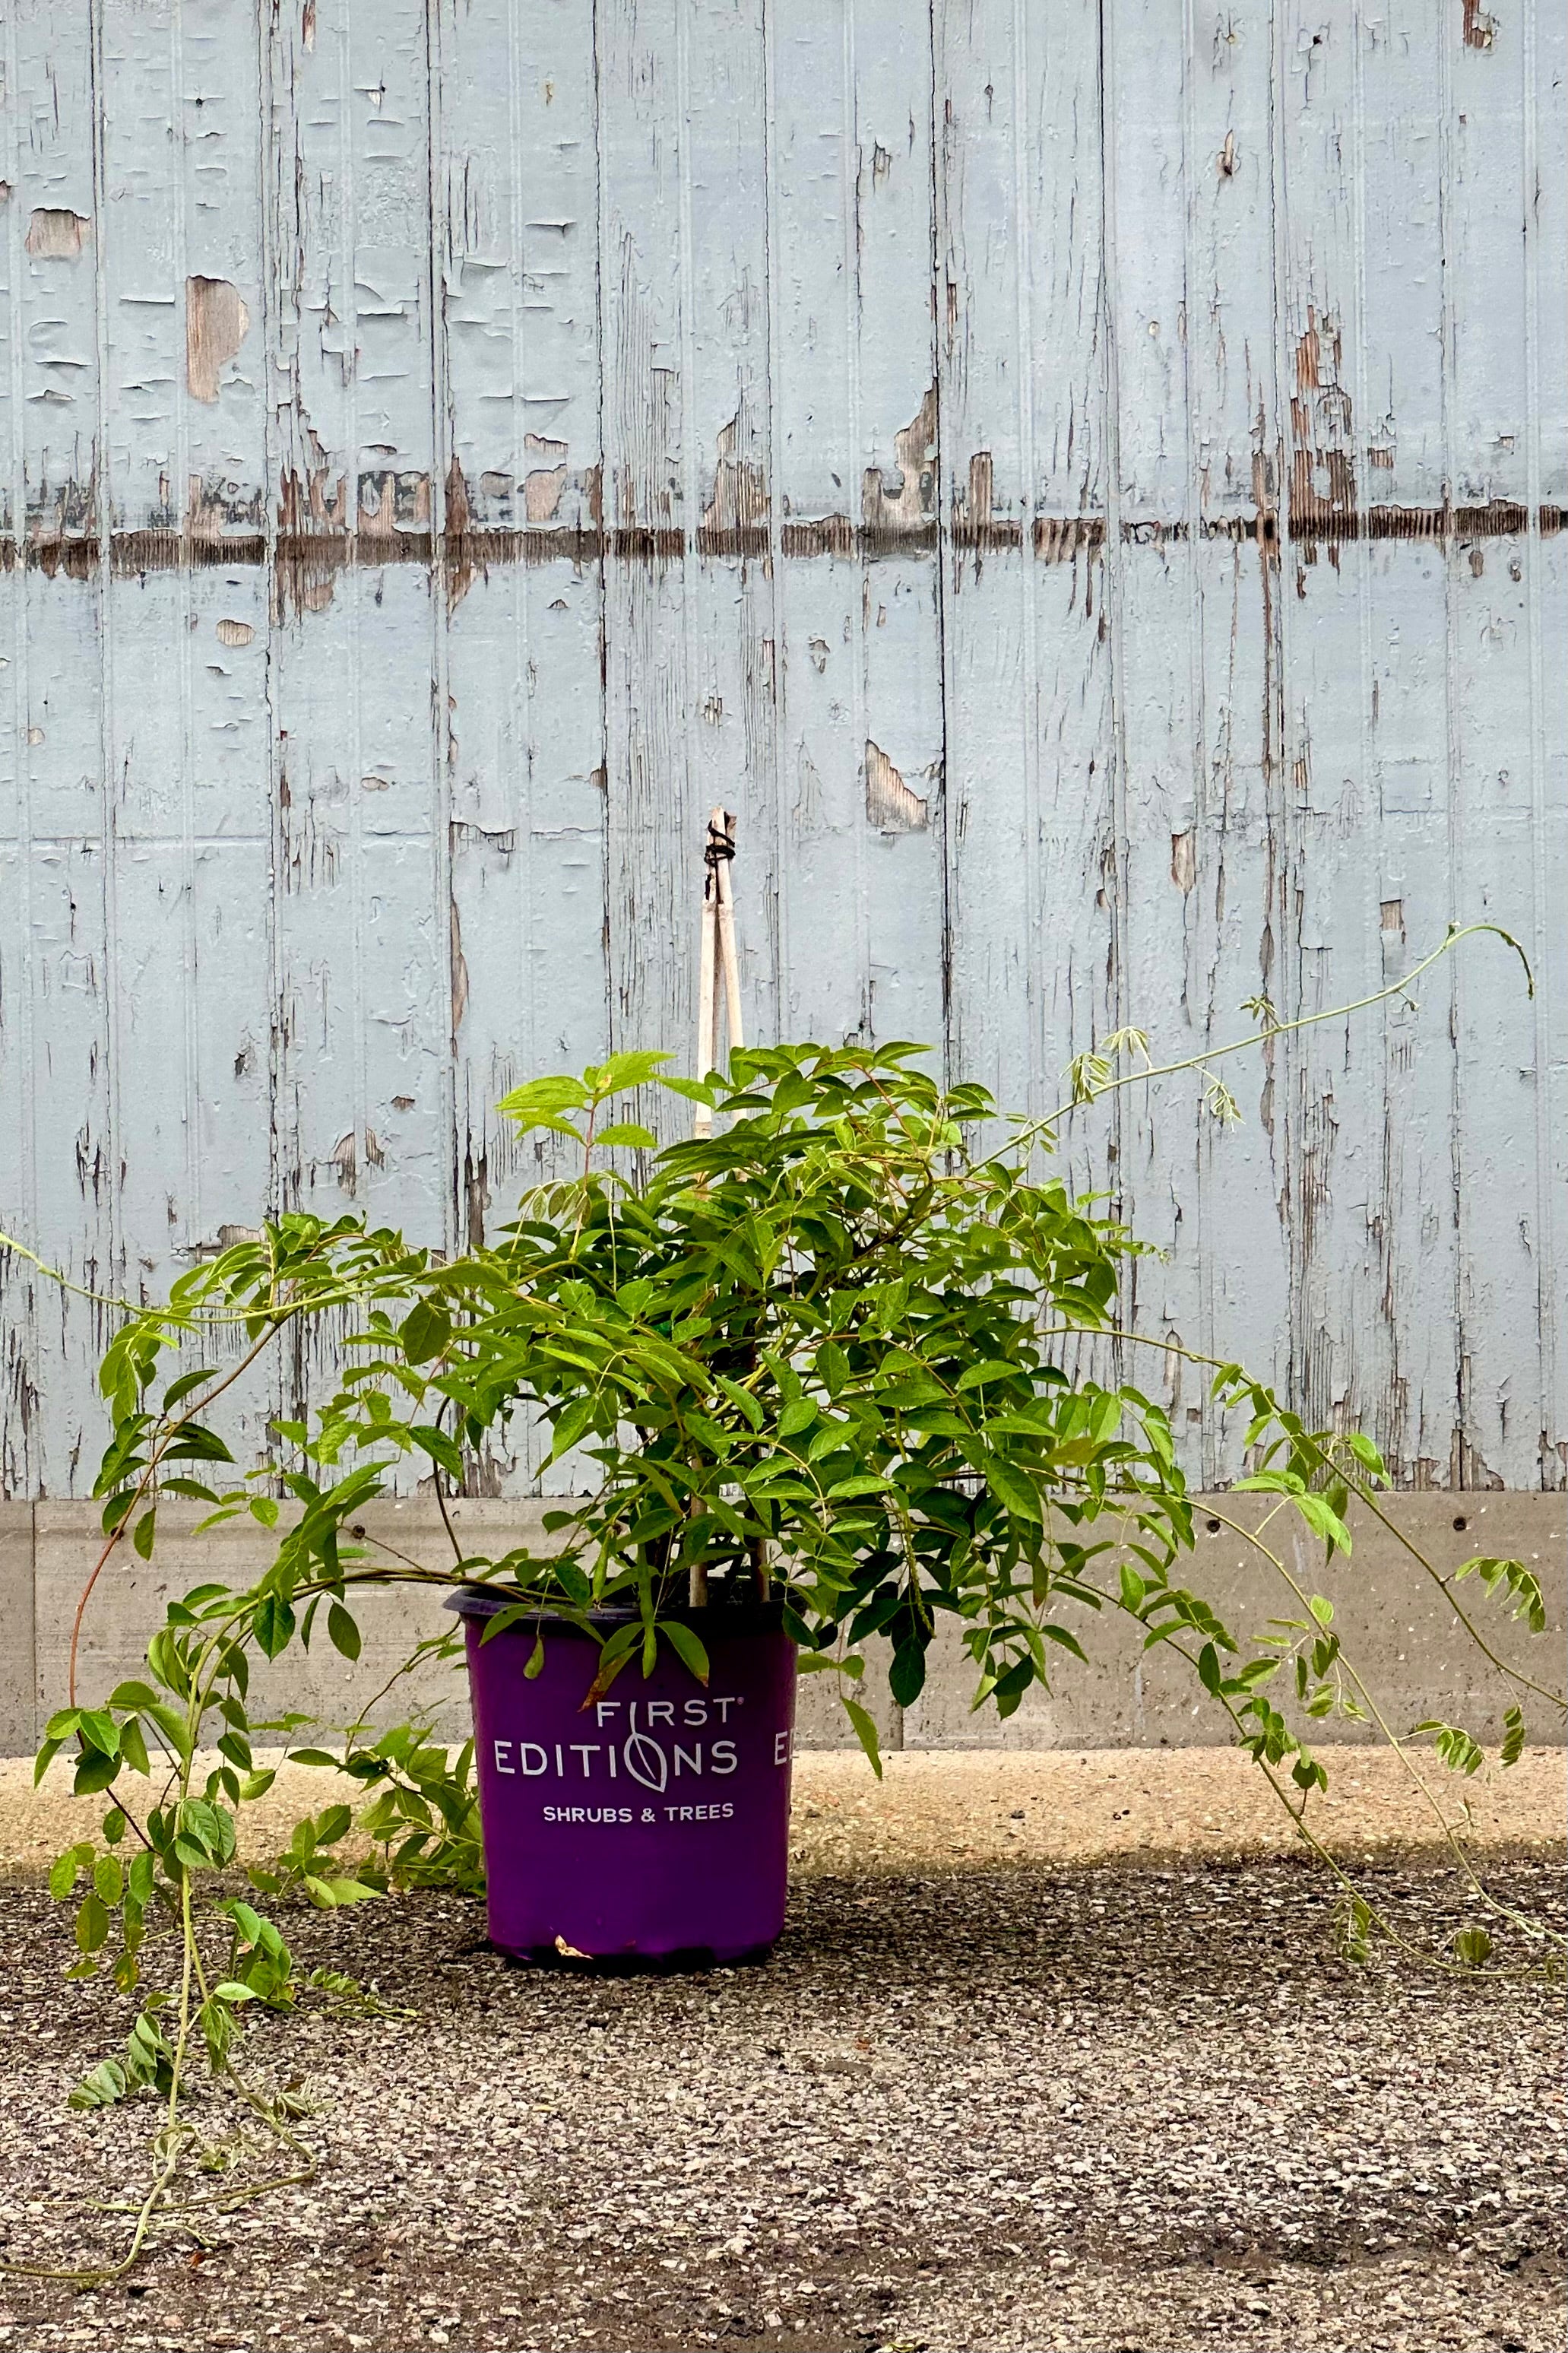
[[132, 1595], [19, 1670], [1395, 1624]]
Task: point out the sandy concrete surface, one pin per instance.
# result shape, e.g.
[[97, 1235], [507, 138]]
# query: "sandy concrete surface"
[[968, 1808], [973, 1808]]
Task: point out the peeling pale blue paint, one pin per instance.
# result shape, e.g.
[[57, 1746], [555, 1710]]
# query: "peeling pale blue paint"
[[1087, 488]]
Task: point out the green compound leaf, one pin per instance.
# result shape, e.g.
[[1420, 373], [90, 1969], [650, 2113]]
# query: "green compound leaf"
[[864, 1732], [687, 1647]]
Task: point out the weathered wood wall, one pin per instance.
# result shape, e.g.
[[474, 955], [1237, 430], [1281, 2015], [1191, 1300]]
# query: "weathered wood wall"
[[1085, 482]]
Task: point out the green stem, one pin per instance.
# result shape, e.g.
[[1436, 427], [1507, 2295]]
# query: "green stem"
[[1396, 1743], [149, 1477], [1359, 1487], [1268, 1032]]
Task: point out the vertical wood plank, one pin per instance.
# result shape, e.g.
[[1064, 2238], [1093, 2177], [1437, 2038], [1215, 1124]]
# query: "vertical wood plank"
[[1390, 383], [53, 211], [1547, 621], [518, 327], [517, 175], [691, 641], [1504, 808], [858, 429], [1392, 398], [652, 812], [1229, 869], [1342, 1315], [19, 1434], [1505, 1209], [55, 229], [1026, 651], [733, 733], [1153, 588], [1544, 72], [366, 1014], [364, 953], [895, 452], [813, 448], [184, 643]]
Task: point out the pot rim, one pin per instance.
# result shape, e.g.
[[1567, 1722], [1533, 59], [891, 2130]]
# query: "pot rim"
[[476, 1603]]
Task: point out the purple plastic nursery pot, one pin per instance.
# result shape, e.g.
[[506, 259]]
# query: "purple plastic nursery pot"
[[649, 1826]]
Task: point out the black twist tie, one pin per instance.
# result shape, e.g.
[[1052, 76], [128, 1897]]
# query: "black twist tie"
[[720, 848]]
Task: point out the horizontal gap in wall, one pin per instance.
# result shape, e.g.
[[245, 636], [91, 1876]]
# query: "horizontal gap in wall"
[[300, 556]]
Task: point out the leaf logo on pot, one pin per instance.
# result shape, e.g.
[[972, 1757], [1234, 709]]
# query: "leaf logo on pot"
[[644, 1760]]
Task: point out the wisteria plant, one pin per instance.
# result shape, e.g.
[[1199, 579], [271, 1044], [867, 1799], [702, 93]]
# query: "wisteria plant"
[[832, 1352]]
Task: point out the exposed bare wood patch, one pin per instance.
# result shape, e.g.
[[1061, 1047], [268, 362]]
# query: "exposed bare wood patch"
[[975, 507], [913, 502], [1183, 860], [1322, 458], [737, 509], [319, 501], [1468, 1467], [890, 806], [216, 323], [235, 633], [304, 580], [221, 510], [459, 565], [458, 511], [392, 503], [636, 544], [974, 521], [1059, 538], [459, 968], [827, 535], [1479, 31], [58, 236], [475, 1191], [546, 479], [1500, 518]]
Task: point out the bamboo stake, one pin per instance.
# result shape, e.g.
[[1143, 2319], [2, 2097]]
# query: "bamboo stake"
[[731, 962], [726, 919], [707, 943], [715, 945], [719, 950]]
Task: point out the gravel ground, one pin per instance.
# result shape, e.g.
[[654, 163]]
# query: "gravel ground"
[[998, 2109]]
